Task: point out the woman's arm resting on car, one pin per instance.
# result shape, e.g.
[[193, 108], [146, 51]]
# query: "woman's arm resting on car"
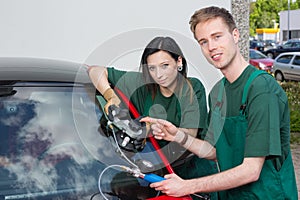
[[98, 76]]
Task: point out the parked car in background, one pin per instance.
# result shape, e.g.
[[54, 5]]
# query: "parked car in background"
[[287, 66], [292, 45], [260, 61], [257, 45], [270, 44]]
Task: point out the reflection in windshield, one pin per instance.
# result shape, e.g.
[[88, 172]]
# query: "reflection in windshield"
[[40, 150]]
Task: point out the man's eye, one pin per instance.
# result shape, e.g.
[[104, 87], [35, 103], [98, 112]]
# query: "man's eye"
[[202, 43], [217, 36]]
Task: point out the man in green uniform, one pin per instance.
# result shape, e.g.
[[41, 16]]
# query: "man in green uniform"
[[249, 129]]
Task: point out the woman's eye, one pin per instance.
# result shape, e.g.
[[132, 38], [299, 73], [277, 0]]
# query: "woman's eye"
[[151, 68], [164, 66]]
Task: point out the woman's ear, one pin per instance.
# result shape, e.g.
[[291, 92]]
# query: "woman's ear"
[[179, 61]]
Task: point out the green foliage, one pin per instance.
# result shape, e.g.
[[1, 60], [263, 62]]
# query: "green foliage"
[[295, 138], [292, 90], [262, 12]]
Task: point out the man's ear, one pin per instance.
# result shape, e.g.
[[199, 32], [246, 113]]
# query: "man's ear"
[[236, 35]]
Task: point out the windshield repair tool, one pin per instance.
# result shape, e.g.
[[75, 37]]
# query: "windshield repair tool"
[[153, 141], [130, 133], [151, 178], [133, 132]]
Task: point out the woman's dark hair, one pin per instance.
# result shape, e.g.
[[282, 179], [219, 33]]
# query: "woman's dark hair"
[[168, 45]]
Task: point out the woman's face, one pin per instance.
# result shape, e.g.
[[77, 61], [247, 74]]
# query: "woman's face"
[[163, 69]]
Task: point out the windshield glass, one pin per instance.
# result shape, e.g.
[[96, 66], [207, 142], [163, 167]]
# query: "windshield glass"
[[41, 153], [257, 55]]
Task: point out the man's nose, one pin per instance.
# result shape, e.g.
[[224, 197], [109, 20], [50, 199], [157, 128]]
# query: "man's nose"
[[212, 45]]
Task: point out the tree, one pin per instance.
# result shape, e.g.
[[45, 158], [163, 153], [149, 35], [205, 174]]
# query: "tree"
[[263, 12]]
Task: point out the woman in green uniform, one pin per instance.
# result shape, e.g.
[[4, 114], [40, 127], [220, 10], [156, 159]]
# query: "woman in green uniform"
[[162, 90]]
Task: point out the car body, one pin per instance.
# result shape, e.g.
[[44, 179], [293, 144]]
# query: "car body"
[[260, 61], [269, 44], [257, 45], [287, 66], [292, 45]]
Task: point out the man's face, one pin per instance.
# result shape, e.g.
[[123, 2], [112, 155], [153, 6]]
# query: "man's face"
[[217, 43]]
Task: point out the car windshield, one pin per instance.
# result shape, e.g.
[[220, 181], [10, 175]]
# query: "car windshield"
[[287, 44], [256, 55], [43, 150], [290, 44]]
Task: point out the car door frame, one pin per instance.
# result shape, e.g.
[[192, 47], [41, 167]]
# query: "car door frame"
[[295, 68]]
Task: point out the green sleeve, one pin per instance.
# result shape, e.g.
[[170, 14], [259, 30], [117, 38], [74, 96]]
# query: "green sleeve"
[[126, 81], [263, 135], [267, 126]]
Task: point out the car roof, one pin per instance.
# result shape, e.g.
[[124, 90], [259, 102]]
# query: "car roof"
[[294, 40], [41, 69], [290, 53]]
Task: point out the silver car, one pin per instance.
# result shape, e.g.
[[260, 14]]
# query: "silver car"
[[287, 66]]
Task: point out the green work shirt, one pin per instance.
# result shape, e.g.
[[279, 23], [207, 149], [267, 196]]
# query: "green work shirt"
[[267, 111]]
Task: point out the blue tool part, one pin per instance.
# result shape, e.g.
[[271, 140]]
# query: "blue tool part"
[[152, 178]]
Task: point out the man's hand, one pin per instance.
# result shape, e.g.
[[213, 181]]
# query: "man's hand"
[[161, 129], [172, 186]]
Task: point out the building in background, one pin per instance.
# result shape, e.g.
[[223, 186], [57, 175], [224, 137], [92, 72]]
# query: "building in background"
[[289, 25], [268, 33]]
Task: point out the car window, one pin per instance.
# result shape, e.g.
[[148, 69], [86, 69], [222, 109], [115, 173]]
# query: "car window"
[[257, 55], [284, 59], [41, 149], [288, 44], [296, 60]]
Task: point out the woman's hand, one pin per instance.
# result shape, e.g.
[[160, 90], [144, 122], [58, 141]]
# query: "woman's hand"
[[161, 129]]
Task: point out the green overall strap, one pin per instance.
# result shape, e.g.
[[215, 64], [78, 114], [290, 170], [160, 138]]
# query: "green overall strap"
[[246, 88], [248, 83]]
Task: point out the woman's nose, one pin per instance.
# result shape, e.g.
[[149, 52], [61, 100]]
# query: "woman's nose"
[[159, 73]]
